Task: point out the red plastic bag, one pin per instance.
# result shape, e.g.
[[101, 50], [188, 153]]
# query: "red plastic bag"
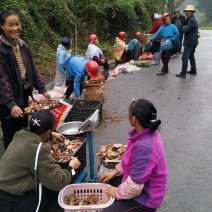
[[147, 56], [61, 112]]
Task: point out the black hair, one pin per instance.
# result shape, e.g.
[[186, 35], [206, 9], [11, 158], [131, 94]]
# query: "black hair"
[[41, 121], [3, 16], [146, 113]]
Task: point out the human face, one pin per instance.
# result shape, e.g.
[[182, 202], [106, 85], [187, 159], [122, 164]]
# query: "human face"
[[167, 20], [176, 14], [132, 119], [96, 41], [12, 28], [188, 14]]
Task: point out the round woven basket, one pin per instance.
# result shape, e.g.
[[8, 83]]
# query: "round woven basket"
[[93, 84], [94, 93], [146, 36], [94, 90]]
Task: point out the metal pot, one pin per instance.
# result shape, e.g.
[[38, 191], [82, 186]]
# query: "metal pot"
[[70, 128]]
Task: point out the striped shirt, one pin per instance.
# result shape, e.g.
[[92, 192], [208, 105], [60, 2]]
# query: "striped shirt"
[[19, 58]]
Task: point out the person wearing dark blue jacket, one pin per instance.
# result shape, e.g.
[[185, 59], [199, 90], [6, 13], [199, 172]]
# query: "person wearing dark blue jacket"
[[190, 43]]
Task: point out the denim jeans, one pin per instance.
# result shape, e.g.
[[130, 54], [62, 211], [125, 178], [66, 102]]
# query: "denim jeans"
[[188, 53]]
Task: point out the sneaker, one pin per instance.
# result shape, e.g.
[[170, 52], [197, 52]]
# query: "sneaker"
[[192, 72], [161, 73], [181, 75], [174, 55]]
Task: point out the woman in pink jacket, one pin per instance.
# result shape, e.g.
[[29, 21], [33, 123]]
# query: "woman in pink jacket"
[[139, 181]]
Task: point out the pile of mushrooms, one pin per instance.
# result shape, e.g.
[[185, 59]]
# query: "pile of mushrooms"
[[93, 199], [41, 104], [111, 152], [62, 152]]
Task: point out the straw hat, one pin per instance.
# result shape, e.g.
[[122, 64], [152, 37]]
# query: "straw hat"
[[190, 8]]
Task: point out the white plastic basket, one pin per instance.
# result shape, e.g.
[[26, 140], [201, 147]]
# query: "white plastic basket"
[[82, 191]]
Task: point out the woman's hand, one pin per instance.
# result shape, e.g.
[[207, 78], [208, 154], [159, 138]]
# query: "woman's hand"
[[108, 176], [47, 95], [102, 61], [58, 136], [16, 112], [111, 192], [74, 163]]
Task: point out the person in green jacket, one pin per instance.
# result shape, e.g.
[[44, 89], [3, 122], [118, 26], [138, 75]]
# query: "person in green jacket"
[[29, 178]]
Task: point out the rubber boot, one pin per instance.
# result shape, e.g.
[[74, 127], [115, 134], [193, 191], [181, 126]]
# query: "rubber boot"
[[156, 60]]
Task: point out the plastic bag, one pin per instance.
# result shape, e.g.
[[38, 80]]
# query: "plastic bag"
[[147, 56], [61, 112]]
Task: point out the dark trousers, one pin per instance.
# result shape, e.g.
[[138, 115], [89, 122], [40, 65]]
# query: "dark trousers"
[[125, 205], [70, 88], [28, 202], [105, 65], [188, 54], [165, 57], [155, 47], [11, 125]]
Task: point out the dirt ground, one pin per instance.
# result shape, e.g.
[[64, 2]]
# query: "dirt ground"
[[47, 73]]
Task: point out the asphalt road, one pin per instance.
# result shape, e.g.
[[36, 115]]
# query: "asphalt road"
[[184, 106]]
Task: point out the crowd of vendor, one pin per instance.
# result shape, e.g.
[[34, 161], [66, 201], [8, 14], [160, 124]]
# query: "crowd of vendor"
[[29, 179]]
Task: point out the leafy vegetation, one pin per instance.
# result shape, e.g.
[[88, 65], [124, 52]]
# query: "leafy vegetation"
[[45, 22]]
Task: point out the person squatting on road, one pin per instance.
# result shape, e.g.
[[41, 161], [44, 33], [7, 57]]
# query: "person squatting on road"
[[191, 35], [18, 76], [169, 34], [139, 181], [28, 171], [134, 48], [156, 43], [95, 53], [63, 50]]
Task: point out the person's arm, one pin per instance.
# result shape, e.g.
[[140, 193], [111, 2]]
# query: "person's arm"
[[156, 34], [140, 171], [37, 82], [50, 174], [176, 33], [188, 26], [6, 91], [77, 83]]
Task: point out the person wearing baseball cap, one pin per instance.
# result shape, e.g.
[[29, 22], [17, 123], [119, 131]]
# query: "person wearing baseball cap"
[[29, 179], [190, 43]]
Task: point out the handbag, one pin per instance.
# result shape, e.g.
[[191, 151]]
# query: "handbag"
[[166, 45]]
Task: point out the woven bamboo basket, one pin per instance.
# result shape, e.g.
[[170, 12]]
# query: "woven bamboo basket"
[[146, 36], [94, 90], [93, 83]]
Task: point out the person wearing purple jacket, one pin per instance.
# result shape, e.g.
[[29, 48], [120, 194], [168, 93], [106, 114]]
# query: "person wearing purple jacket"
[[139, 182]]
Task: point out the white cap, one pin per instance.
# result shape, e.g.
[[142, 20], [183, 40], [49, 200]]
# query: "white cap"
[[157, 16]]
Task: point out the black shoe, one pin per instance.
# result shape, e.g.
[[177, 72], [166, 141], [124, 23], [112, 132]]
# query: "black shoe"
[[192, 72], [181, 75]]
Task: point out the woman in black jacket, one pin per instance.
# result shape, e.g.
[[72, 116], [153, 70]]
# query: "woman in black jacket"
[[18, 76]]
